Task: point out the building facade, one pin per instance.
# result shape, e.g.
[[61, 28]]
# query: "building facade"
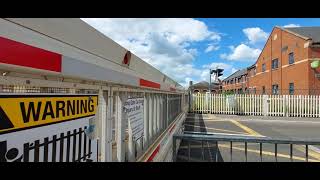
[[284, 65], [203, 87], [236, 82]]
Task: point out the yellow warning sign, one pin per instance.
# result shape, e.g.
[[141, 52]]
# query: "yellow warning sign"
[[26, 111]]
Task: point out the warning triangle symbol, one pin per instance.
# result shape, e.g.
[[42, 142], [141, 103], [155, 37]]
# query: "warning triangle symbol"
[[5, 122]]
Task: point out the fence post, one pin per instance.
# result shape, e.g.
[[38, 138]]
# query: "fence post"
[[145, 120], [286, 106], [167, 112], [120, 129], [265, 105], [106, 128]]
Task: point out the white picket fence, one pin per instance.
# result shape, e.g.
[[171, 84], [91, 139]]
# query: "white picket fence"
[[259, 105]]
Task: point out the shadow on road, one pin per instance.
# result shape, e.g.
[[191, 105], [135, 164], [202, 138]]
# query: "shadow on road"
[[197, 151]]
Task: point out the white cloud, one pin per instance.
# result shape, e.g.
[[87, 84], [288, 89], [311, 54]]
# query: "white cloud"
[[217, 65], [291, 25], [205, 72], [215, 36], [211, 47], [242, 53], [163, 43], [255, 35], [233, 70]]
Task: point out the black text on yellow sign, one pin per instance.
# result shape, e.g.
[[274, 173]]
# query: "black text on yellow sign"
[[26, 111]]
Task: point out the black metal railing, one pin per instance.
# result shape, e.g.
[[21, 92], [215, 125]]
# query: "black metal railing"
[[231, 139], [78, 149]]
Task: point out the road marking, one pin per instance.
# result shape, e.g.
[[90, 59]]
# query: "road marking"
[[212, 133], [280, 121], [311, 152], [270, 153], [246, 128], [301, 148], [209, 120], [215, 129], [256, 120]]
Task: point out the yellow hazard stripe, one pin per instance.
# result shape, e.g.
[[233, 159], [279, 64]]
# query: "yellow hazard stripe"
[[247, 129], [34, 111]]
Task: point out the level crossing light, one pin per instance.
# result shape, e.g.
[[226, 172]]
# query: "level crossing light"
[[217, 72]]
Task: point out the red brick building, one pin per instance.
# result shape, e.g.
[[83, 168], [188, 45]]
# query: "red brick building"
[[284, 65], [203, 87]]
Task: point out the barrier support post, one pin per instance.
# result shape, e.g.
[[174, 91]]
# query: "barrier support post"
[[106, 128]]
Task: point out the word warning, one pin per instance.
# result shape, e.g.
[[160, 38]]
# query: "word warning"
[[27, 111], [47, 128]]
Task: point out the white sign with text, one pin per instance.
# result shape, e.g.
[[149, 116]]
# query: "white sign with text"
[[134, 109]]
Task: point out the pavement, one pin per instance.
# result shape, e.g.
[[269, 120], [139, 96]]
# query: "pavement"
[[274, 127]]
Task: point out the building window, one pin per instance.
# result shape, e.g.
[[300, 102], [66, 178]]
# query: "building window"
[[263, 67], [284, 48], [263, 90], [274, 64], [275, 89], [291, 88], [253, 72], [291, 58]]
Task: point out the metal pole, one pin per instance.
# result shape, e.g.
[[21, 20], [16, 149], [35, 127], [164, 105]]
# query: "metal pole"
[[245, 150], [202, 150], [261, 152], [276, 151], [216, 77], [307, 152], [209, 80], [174, 149], [291, 152], [231, 150], [217, 149], [189, 151]]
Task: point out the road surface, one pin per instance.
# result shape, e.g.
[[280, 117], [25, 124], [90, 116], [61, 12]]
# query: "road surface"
[[274, 127]]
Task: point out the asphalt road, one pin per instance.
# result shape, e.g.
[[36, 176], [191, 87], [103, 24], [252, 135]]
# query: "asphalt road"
[[274, 127]]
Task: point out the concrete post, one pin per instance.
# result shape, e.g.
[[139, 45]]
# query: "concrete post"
[[286, 106], [265, 105]]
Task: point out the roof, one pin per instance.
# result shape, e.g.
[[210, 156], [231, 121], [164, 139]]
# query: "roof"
[[252, 66], [309, 32], [238, 73], [204, 84]]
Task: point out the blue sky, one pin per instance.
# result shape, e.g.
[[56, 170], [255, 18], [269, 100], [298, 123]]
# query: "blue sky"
[[185, 49]]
